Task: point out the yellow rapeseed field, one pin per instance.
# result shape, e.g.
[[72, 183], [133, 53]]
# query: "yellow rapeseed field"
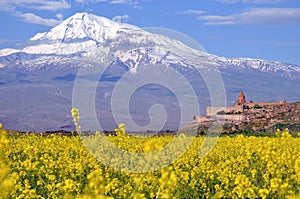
[[35, 166]]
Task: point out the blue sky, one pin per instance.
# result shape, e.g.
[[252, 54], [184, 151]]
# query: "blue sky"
[[265, 29]]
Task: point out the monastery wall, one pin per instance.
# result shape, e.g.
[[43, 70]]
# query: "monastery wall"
[[210, 111]]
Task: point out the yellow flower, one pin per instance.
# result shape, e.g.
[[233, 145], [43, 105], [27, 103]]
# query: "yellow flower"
[[263, 193], [62, 167]]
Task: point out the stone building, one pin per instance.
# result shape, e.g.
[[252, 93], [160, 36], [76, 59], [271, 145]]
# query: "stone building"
[[235, 112], [250, 116]]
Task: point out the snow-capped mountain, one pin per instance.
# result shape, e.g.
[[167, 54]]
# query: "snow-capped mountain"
[[88, 35], [36, 77], [80, 33]]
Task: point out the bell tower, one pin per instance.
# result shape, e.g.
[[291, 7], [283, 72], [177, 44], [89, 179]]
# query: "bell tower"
[[241, 99]]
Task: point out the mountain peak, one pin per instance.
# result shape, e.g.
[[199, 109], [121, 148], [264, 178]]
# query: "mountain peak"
[[82, 14], [83, 26]]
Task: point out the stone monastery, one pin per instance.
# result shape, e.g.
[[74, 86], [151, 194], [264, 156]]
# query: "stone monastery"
[[237, 112]]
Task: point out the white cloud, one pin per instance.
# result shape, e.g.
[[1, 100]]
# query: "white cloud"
[[11, 5], [219, 23], [34, 19], [216, 18], [120, 1], [270, 16], [256, 16], [138, 7], [133, 3], [82, 1], [50, 5], [60, 16], [191, 11], [121, 19]]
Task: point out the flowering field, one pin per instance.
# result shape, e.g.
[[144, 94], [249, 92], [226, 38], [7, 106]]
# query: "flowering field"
[[34, 166]]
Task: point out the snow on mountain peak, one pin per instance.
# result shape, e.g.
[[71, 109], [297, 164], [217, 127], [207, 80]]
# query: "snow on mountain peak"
[[84, 26], [81, 33]]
